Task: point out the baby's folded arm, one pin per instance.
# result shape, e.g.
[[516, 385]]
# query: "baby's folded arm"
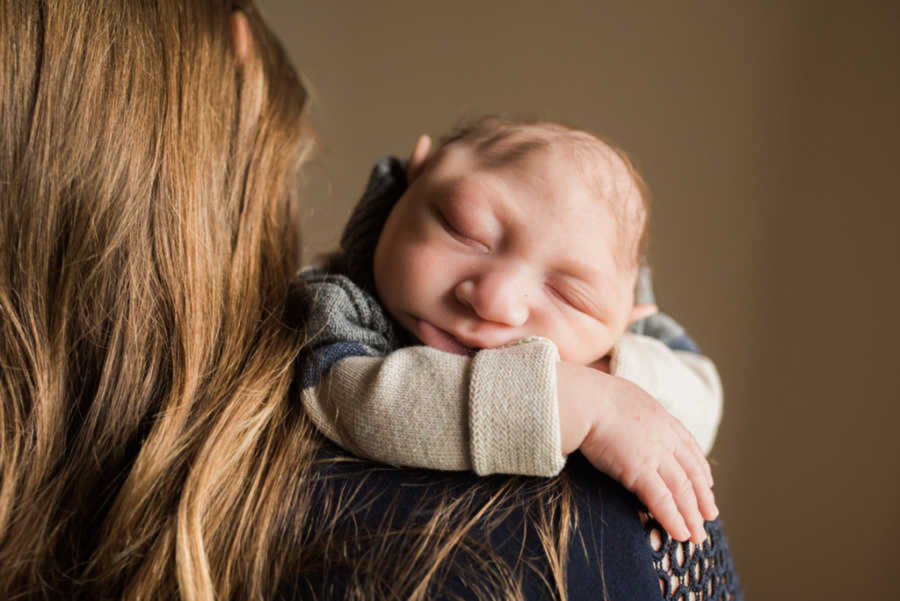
[[422, 407], [406, 408]]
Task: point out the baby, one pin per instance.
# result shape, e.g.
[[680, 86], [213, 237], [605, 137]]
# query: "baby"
[[512, 255]]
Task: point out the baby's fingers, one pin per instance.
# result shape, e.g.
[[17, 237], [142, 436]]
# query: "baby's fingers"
[[688, 439], [682, 490], [701, 457], [702, 491], [654, 493]]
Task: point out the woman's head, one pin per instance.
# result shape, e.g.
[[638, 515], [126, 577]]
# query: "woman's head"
[[149, 446], [139, 115], [147, 170]]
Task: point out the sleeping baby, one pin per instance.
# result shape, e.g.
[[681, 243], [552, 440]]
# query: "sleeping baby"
[[488, 311]]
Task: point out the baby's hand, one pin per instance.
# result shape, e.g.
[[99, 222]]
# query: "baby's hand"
[[629, 436]]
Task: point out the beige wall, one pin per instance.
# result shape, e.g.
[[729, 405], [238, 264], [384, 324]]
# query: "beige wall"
[[769, 135]]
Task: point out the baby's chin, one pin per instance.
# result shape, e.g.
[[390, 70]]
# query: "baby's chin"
[[435, 337]]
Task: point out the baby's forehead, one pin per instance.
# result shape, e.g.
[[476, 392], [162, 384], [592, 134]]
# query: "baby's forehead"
[[601, 169], [593, 161]]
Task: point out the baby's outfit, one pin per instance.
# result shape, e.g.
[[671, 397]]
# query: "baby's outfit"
[[371, 388]]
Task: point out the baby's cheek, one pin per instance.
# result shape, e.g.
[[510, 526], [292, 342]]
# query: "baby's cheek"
[[545, 322], [417, 269], [584, 344]]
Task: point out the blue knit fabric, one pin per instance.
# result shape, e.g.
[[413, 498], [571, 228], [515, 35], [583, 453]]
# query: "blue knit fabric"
[[325, 357]]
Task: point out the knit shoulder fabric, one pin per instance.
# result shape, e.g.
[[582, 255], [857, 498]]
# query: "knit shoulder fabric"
[[343, 321], [386, 185], [688, 572]]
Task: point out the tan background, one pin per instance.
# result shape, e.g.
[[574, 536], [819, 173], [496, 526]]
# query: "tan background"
[[769, 133]]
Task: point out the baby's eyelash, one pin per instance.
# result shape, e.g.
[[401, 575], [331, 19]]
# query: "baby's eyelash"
[[449, 226], [459, 235], [573, 300], [559, 295]]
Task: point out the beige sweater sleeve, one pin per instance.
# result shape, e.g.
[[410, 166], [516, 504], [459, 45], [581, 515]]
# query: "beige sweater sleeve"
[[421, 407], [686, 384]]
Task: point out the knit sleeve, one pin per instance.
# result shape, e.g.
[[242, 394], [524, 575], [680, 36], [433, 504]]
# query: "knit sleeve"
[[514, 409], [422, 407]]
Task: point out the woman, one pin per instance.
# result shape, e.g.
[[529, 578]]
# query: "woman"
[[151, 445]]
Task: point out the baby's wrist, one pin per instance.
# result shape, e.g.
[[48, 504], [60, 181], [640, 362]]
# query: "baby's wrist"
[[582, 393]]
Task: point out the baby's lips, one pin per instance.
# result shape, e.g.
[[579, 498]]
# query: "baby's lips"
[[439, 339]]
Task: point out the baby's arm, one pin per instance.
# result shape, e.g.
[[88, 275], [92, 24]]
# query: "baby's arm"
[[496, 412], [422, 407]]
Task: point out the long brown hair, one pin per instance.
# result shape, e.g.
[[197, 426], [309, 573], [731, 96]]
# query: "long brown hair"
[[149, 446], [146, 249]]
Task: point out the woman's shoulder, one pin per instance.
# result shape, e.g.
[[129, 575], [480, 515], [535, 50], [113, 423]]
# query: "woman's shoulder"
[[387, 531]]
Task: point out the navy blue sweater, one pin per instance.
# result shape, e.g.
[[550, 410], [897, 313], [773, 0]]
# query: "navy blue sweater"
[[610, 555]]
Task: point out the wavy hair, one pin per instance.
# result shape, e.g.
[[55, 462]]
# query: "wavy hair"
[[146, 250], [150, 447]]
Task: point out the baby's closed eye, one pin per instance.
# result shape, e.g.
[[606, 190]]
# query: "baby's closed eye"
[[460, 230], [574, 296]]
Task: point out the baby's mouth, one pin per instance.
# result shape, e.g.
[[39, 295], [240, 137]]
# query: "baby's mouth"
[[435, 337]]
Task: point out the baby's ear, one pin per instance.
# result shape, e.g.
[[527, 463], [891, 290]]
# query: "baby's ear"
[[241, 36], [641, 311], [417, 157]]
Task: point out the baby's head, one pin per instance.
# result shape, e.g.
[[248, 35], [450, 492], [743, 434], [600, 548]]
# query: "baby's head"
[[511, 230]]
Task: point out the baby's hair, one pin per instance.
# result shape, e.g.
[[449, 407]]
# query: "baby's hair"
[[500, 141]]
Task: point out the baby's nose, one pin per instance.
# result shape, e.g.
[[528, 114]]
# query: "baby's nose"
[[498, 297]]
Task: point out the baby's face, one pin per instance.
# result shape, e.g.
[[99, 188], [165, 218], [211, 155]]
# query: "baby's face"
[[476, 257]]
